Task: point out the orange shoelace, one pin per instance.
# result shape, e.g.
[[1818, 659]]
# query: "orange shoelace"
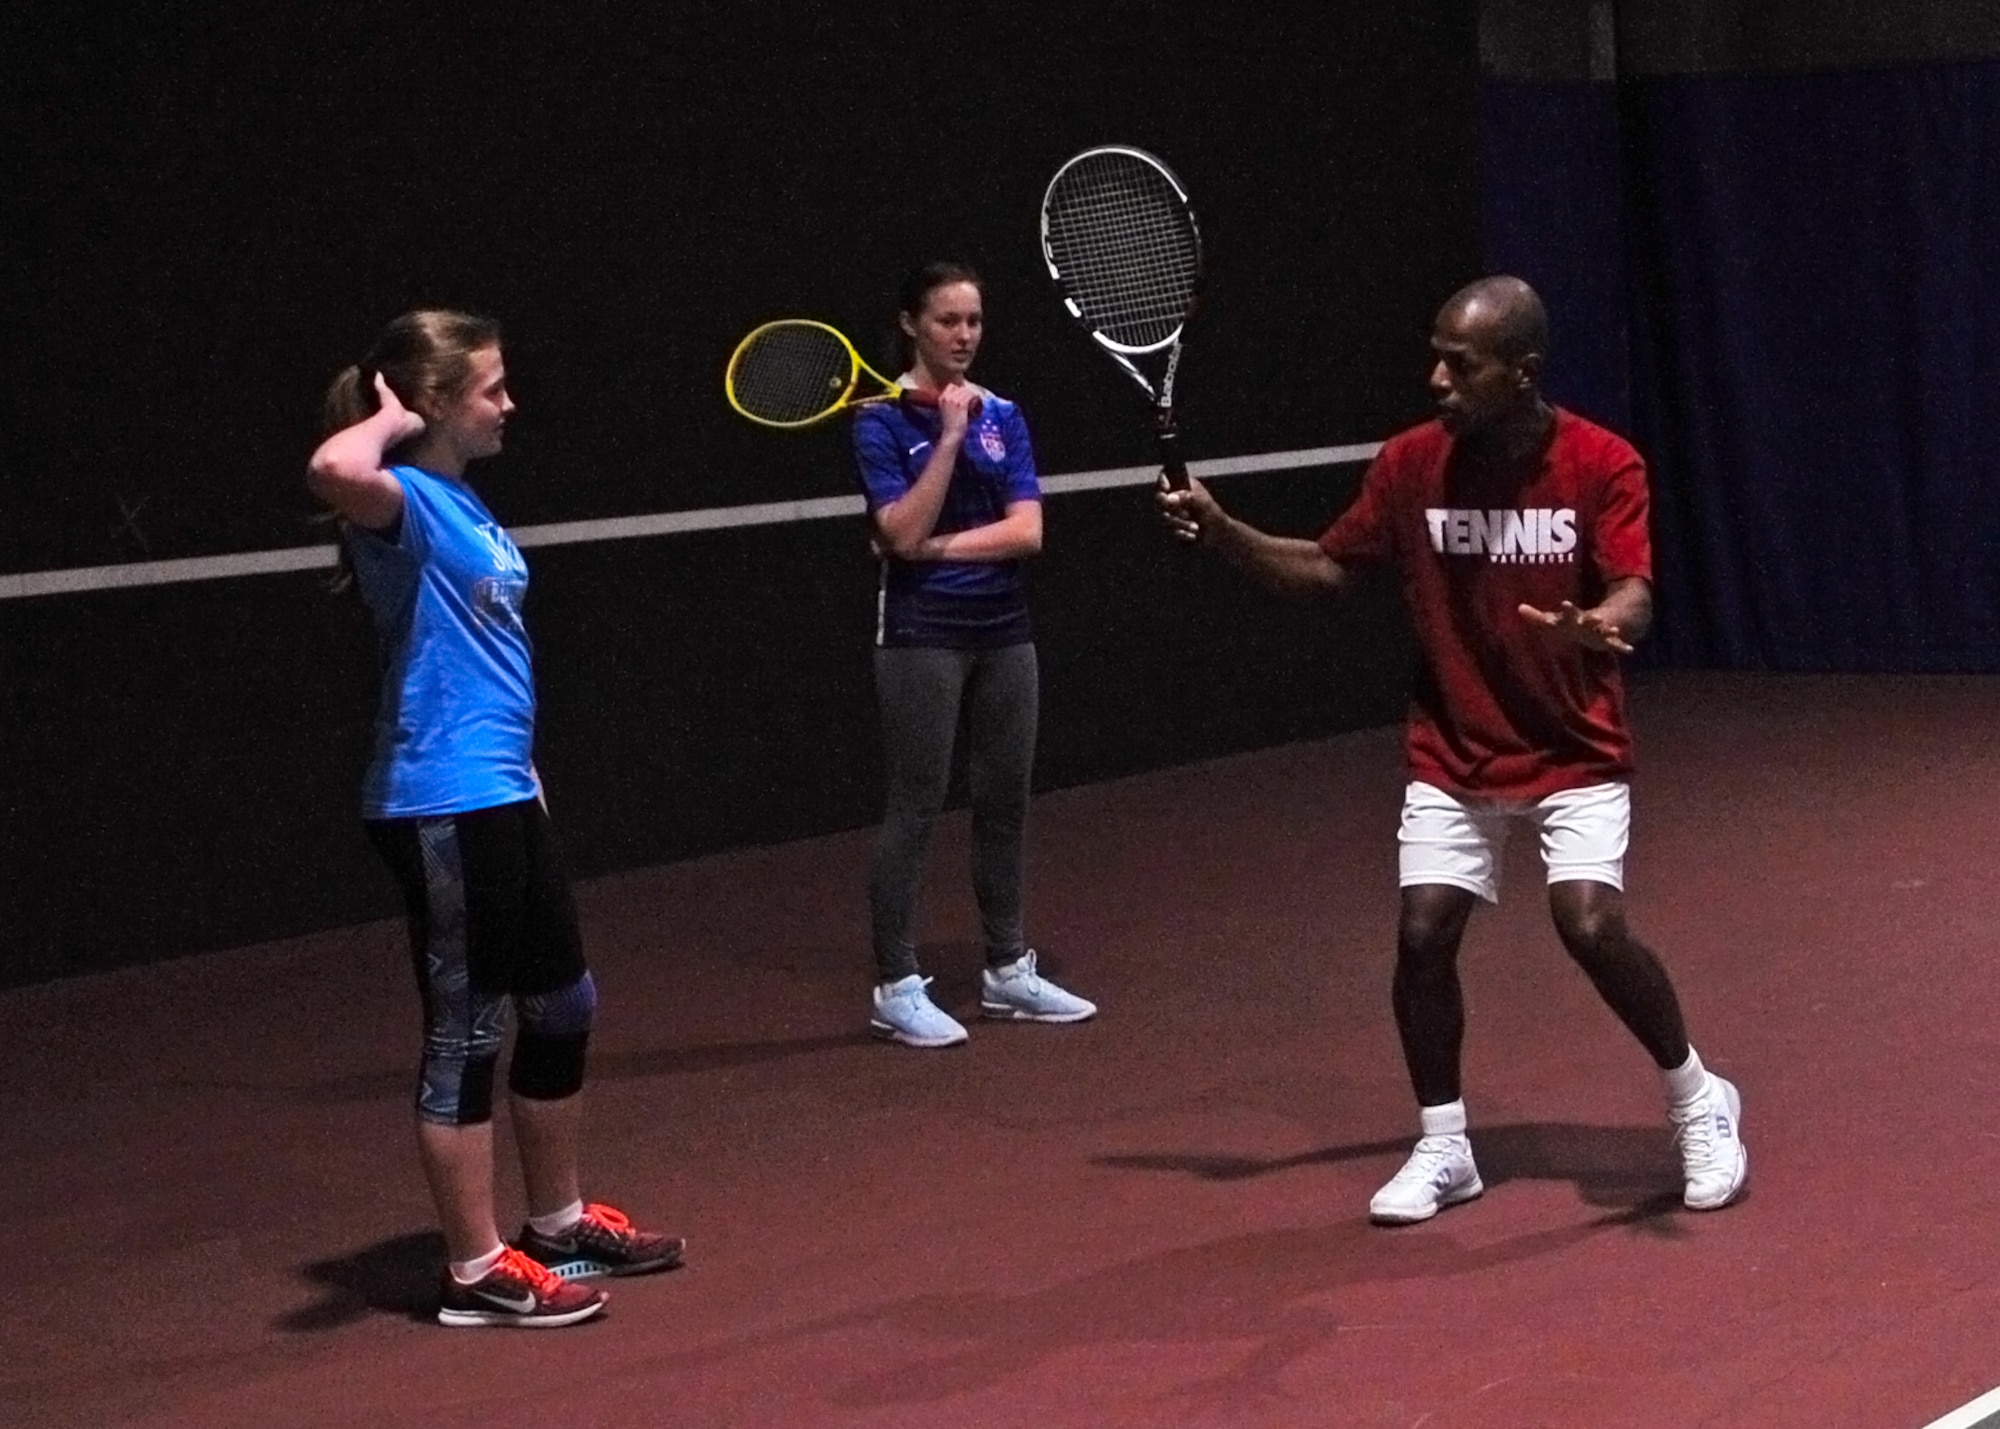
[[540, 1278], [611, 1219]]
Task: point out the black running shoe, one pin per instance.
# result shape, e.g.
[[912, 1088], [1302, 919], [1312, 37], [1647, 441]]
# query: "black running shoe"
[[517, 1291], [604, 1242]]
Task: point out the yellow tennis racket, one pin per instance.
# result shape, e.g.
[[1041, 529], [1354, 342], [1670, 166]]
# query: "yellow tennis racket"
[[797, 372]]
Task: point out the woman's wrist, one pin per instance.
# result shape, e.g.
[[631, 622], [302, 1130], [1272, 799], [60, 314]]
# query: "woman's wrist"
[[395, 427]]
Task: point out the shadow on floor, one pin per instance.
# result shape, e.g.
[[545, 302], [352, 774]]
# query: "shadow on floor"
[[398, 1276], [1623, 1168]]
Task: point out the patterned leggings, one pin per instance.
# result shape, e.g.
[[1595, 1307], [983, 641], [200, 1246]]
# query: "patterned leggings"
[[491, 923]]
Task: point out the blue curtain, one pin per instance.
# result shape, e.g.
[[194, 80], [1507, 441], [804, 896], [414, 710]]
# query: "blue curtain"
[[1811, 310], [1552, 212]]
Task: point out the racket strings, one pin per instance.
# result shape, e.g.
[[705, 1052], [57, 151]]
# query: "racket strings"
[[791, 372], [1125, 246]]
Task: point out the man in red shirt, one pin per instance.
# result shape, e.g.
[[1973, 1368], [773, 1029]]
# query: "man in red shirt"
[[1518, 533]]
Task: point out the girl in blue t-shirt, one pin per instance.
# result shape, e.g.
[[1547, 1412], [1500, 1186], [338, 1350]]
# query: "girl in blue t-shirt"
[[949, 478], [452, 803]]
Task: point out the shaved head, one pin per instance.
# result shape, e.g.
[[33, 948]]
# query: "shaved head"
[[1490, 338], [1506, 315]]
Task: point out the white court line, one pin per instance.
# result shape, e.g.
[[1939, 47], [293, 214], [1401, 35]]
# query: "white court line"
[[194, 568], [1982, 1413], [78, 579]]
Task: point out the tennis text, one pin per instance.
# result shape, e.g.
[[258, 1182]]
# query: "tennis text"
[[1537, 535]]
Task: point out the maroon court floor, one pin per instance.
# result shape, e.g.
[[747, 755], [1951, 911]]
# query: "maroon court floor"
[[1154, 1219]]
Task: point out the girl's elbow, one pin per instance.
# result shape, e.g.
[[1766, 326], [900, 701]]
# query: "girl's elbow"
[[330, 469], [321, 478]]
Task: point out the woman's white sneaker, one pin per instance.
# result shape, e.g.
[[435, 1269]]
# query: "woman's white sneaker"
[[905, 1013], [1017, 993]]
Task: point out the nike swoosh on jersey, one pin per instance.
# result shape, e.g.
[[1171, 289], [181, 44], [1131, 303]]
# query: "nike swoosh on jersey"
[[917, 448]]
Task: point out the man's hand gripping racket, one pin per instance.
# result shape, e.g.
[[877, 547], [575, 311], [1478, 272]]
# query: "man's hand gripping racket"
[[1120, 240], [1190, 512]]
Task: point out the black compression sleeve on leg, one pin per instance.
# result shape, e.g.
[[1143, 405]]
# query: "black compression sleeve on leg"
[[548, 1067]]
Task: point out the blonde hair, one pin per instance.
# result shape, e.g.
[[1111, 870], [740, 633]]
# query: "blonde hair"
[[426, 357]]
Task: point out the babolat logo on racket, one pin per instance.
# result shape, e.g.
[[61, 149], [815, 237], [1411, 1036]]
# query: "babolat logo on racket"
[[1540, 535], [1120, 239]]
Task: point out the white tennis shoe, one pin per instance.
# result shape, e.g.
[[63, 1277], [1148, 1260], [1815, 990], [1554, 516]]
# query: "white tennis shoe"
[[905, 1013], [1015, 992], [1709, 1132], [1439, 1173]]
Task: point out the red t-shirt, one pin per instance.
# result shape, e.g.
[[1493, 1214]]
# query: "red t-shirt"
[[1501, 710]]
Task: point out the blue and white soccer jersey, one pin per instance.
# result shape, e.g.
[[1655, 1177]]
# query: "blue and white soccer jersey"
[[957, 604], [456, 726]]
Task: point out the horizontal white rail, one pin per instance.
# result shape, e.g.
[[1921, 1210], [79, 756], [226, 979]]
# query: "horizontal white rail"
[[79, 579]]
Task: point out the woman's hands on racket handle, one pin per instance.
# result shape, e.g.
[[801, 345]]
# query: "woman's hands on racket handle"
[[906, 523], [957, 405]]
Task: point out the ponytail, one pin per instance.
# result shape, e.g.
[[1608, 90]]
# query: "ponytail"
[[426, 358], [349, 399]]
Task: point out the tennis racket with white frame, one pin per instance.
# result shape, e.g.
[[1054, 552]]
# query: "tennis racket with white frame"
[[797, 372], [1120, 239]]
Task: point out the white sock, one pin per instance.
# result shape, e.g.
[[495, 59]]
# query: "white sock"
[[1685, 1082], [556, 1222], [1445, 1120], [471, 1272]]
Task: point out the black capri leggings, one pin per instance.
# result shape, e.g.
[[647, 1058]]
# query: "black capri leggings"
[[491, 922]]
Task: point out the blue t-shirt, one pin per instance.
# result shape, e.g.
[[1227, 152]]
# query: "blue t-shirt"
[[456, 726], [961, 604]]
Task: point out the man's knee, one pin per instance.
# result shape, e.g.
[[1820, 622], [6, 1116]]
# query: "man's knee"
[[1431, 926], [1589, 917]]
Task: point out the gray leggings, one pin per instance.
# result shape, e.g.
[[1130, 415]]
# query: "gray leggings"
[[920, 691]]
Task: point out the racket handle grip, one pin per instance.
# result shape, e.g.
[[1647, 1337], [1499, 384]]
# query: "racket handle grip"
[[927, 398], [1167, 442]]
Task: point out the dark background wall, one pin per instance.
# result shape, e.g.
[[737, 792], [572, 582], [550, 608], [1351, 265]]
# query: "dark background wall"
[[1767, 232], [207, 214]]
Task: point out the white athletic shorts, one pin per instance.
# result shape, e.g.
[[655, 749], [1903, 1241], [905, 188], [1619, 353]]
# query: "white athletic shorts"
[[1459, 841]]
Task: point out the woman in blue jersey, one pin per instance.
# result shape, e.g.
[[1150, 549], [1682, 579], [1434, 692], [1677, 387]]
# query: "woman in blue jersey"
[[950, 481], [452, 803]]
